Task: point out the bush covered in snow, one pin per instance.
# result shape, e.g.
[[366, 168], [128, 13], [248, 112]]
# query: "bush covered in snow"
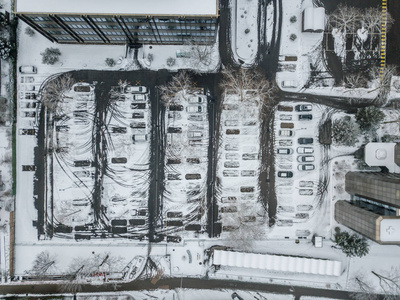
[[50, 56], [5, 48], [345, 131], [110, 62], [293, 37], [369, 118], [293, 19], [29, 31], [3, 20], [170, 61]]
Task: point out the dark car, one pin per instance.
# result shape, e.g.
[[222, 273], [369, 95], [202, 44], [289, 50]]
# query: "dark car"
[[303, 107], [174, 239], [285, 174], [174, 130], [138, 105], [305, 141], [305, 117], [175, 107], [118, 130]]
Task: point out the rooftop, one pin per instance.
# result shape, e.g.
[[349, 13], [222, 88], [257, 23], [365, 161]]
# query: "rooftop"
[[120, 7], [381, 155]]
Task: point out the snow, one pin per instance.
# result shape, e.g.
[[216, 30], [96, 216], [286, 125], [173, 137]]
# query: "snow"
[[118, 7], [390, 230], [244, 25], [275, 263], [314, 19], [381, 154]]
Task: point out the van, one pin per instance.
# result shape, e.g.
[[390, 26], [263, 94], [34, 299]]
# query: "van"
[[27, 69]]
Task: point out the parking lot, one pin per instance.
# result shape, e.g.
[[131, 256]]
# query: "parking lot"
[[297, 164], [186, 161], [238, 164]]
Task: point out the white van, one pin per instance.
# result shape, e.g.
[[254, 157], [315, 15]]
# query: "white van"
[[139, 137], [27, 69]]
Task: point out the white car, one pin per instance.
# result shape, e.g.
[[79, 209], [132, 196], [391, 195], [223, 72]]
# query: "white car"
[[289, 83], [195, 134], [196, 99], [27, 69], [306, 167], [305, 158], [305, 150], [194, 109], [139, 97], [135, 89], [286, 132]]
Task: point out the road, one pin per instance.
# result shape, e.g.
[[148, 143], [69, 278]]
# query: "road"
[[173, 283]]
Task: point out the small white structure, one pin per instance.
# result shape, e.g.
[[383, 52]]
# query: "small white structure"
[[277, 263], [381, 155], [313, 19]]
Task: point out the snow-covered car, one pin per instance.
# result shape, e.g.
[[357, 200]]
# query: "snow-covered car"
[[306, 167], [286, 132], [194, 109], [139, 137], [196, 99], [27, 79], [303, 107], [285, 117], [195, 134], [135, 89], [284, 151], [231, 122], [289, 83], [27, 69], [305, 158], [198, 118], [305, 150]]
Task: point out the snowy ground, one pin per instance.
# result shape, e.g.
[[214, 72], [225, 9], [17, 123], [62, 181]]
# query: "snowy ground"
[[186, 161], [238, 166]]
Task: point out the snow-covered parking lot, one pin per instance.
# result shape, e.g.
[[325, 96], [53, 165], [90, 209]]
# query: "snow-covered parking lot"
[[238, 164], [186, 161], [299, 167]]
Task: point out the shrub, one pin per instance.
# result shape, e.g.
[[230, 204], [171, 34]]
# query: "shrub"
[[345, 131], [110, 62], [351, 245], [3, 20], [5, 48], [29, 31], [50, 56], [293, 19], [170, 61], [150, 57], [293, 37], [369, 118]]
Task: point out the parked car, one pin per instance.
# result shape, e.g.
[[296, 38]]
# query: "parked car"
[[285, 117], [27, 69], [135, 89], [176, 107], [286, 132], [305, 158], [196, 99], [138, 105], [137, 115], [305, 117], [287, 125], [196, 118], [139, 97], [284, 151], [138, 125], [305, 150], [305, 141], [139, 137], [303, 107], [285, 174], [289, 83], [306, 167], [194, 108], [195, 134], [174, 130]]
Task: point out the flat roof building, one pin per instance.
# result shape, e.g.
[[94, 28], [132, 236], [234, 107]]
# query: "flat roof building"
[[373, 210], [122, 21]]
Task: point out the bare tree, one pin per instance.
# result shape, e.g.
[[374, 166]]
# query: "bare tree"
[[363, 288], [345, 18], [372, 20], [249, 84], [390, 283], [181, 82], [200, 55], [355, 80], [43, 264], [384, 79], [55, 91]]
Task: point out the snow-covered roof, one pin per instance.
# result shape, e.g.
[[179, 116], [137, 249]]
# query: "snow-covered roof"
[[381, 155], [390, 230], [120, 7], [277, 263], [314, 19]]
